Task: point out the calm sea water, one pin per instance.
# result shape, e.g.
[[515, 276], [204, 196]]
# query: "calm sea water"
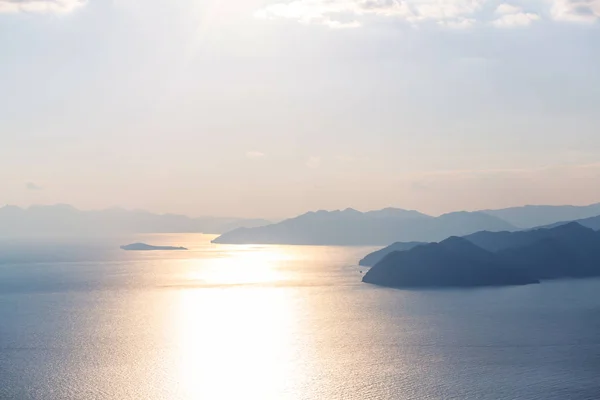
[[277, 322]]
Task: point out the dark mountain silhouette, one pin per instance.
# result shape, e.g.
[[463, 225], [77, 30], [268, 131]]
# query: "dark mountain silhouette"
[[147, 247], [376, 256], [455, 262], [566, 251], [351, 227], [491, 241], [535, 216], [67, 220], [498, 241]]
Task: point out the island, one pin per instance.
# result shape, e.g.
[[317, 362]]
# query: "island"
[[147, 247]]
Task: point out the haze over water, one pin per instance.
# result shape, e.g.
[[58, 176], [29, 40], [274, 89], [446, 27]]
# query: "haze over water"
[[281, 322]]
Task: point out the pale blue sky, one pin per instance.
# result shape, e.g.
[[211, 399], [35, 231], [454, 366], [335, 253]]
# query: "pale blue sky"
[[272, 108]]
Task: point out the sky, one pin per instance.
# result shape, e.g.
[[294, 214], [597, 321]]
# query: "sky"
[[257, 108]]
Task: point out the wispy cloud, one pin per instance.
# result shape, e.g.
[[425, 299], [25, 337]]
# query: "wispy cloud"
[[461, 173], [448, 13], [513, 16], [313, 162], [419, 186], [349, 158], [40, 6], [254, 154], [345, 12], [33, 186], [506, 8]]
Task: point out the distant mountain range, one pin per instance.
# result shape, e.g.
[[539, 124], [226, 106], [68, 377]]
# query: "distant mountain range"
[[351, 227], [67, 220], [347, 227], [593, 222], [490, 259], [534, 216]]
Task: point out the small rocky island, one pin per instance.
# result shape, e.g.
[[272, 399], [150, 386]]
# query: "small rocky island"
[[147, 247]]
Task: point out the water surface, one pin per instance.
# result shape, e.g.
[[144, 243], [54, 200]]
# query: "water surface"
[[277, 322]]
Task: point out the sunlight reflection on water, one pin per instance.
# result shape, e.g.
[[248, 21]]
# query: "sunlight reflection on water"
[[239, 348], [234, 327], [249, 265]]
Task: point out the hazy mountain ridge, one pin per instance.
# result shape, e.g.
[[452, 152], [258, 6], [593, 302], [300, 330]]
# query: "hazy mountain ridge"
[[66, 219], [566, 251], [532, 216], [592, 222], [351, 227]]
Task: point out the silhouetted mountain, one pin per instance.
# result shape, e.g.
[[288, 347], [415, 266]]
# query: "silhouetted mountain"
[[569, 250], [455, 262], [534, 216], [351, 227], [566, 251], [497, 241], [67, 220], [491, 241], [147, 247], [376, 256]]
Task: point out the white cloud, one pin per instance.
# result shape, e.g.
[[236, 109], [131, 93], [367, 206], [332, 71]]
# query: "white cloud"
[[506, 8], [342, 25], [39, 6], [255, 154], [447, 13], [454, 13], [311, 12], [576, 10], [513, 16], [519, 19], [313, 162]]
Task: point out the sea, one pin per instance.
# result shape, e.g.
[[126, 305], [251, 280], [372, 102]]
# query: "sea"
[[81, 319]]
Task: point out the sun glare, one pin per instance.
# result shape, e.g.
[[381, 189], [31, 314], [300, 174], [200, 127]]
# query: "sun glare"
[[234, 344], [242, 266]]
